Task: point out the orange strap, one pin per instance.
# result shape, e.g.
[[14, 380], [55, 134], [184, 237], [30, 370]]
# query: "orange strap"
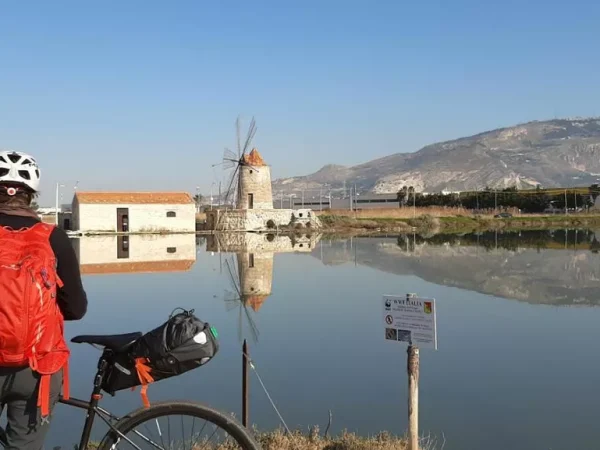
[[143, 372], [44, 395], [66, 389], [44, 391]]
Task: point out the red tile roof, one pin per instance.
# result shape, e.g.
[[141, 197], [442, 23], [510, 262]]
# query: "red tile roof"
[[137, 267], [256, 301], [254, 159], [111, 198]]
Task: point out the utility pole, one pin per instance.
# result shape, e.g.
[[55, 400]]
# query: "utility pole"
[[414, 203], [320, 199], [281, 199], [495, 200], [351, 209], [566, 209], [58, 186]]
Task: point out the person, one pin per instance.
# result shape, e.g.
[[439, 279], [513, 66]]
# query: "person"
[[23, 240]]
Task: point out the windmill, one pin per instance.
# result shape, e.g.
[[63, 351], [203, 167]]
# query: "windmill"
[[236, 299], [235, 161]]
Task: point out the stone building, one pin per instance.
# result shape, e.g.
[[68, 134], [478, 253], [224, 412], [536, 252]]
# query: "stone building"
[[135, 254], [133, 212], [255, 190], [254, 209]]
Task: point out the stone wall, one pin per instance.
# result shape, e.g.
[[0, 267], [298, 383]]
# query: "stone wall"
[[255, 181], [267, 218], [258, 219], [257, 243]]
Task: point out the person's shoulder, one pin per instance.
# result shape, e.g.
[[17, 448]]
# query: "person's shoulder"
[[59, 239]]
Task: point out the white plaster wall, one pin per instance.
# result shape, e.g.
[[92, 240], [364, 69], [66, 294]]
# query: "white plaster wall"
[[142, 248], [142, 217]]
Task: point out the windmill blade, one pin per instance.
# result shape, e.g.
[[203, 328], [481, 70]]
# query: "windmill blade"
[[232, 189], [238, 135], [232, 305], [234, 278], [240, 325], [229, 159], [251, 133], [253, 327]]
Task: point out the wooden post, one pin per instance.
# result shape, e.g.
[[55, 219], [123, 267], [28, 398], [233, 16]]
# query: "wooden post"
[[245, 384], [413, 397], [413, 393]]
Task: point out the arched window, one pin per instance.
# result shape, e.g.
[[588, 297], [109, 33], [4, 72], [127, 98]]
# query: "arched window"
[[171, 214]]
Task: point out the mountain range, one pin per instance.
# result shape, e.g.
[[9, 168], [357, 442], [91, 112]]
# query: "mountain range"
[[551, 153]]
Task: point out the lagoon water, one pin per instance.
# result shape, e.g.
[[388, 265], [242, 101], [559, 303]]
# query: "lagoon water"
[[517, 364]]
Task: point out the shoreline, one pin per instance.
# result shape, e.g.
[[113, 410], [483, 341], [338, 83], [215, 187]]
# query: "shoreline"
[[431, 225], [347, 223]]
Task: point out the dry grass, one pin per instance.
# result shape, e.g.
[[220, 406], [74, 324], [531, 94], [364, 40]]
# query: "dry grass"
[[200, 217], [397, 213], [298, 440], [278, 440]]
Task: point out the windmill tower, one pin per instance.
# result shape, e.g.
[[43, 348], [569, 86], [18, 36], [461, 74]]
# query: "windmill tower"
[[249, 185]]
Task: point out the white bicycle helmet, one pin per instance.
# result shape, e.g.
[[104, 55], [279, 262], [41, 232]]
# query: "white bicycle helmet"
[[21, 168]]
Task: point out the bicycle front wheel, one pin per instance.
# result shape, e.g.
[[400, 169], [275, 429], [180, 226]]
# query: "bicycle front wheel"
[[178, 425]]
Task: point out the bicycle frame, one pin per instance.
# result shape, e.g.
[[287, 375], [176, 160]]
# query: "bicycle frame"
[[91, 407]]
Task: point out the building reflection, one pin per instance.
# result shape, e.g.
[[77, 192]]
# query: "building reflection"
[[135, 253]]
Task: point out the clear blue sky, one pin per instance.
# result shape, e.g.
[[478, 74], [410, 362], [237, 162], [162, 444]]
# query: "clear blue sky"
[[144, 94]]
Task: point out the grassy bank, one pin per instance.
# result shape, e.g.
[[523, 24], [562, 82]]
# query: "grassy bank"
[[279, 440], [432, 221]]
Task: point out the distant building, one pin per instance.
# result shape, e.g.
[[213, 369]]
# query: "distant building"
[[133, 212], [357, 202]]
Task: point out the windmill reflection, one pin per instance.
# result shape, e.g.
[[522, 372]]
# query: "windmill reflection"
[[249, 270]]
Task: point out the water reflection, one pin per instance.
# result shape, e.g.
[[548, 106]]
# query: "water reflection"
[[321, 348], [250, 270], [545, 267], [135, 253]]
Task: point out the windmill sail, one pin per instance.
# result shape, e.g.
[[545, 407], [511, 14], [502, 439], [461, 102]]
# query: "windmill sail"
[[233, 162], [237, 300]]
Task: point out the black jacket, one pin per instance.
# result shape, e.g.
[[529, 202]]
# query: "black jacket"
[[72, 299]]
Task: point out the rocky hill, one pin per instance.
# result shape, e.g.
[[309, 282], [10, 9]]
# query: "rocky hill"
[[563, 152]]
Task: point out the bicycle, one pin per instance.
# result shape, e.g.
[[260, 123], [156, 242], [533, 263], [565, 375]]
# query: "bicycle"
[[116, 437]]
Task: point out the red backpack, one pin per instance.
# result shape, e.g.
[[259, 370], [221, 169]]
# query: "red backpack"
[[31, 324]]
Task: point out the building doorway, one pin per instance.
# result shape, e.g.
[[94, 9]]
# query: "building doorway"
[[250, 201], [122, 220], [122, 247]]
